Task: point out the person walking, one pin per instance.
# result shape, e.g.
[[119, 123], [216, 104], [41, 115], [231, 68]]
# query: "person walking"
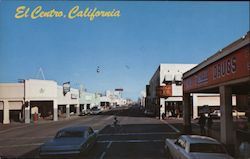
[[209, 125], [202, 122]]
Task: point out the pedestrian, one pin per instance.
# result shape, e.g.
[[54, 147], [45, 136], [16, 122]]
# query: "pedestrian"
[[163, 116], [209, 124], [202, 122]]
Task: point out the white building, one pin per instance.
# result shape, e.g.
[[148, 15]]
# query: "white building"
[[164, 93], [113, 99], [142, 98], [20, 101]]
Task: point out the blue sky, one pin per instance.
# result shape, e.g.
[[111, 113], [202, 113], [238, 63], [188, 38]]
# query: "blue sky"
[[128, 49]]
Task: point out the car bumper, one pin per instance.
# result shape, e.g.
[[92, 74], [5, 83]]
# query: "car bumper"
[[59, 152], [44, 153]]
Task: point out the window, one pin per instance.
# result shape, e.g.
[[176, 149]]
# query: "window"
[[91, 131], [86, 134], [68, 134], [182, 143], [178, 83]]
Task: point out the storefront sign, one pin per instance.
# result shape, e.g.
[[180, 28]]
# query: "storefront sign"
[[66, 87], [231, 67], [164, 91]]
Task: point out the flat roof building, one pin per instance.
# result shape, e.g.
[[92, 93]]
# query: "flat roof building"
[[20, 101], [225, 73], [164, 92]]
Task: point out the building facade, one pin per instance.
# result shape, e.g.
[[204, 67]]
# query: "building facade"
[[42, 98], [226, 73], [164, 92]]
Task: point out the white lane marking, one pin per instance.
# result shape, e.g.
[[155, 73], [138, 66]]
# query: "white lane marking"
[[172, 127], [33, 144], [103, 154], [129, 141], [109, 145], [127, 134]]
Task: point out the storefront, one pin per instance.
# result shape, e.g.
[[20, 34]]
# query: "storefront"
[[35, 99], [164, 92], [226, 73]]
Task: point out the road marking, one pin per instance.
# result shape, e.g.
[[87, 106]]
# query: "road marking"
[[171, 126], [103, 154], [129, 141], [33, 144], [127, 134], [109, 145]]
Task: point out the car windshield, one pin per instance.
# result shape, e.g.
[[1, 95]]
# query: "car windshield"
[[207, 148], [69, 134]]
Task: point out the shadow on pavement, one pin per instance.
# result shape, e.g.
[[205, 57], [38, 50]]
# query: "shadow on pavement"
[[130, 112], [137, 128]]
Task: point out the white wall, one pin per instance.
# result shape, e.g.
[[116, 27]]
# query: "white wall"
[[11, 91], [40, 89], [174, 71], [66, 99]]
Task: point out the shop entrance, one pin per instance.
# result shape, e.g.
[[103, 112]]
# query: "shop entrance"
[[44, 109]]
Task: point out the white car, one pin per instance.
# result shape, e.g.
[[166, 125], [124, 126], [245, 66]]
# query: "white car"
[[238, 114], [195, 147], [95, 111], [215, 114], [235, 113]]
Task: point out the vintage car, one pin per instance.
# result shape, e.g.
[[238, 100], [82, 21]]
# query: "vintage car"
[[195, 147], [236, 114], [95, 110], [68, 141]]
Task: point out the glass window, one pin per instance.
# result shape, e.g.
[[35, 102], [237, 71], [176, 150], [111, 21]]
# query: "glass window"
[[86, 135], [66, 134], [91, 131], [181, 143]]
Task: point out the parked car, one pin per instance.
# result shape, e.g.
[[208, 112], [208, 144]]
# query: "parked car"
[[95, 111], [69, 141], [235, 113], [238, 114], [215, 114], [195, 147], [84, 112]]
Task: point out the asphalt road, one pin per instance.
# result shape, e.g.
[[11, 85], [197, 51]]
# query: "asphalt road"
[[137, 136]]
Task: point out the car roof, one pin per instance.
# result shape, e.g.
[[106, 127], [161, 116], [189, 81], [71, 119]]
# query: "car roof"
[[76, 128], [192, 139]]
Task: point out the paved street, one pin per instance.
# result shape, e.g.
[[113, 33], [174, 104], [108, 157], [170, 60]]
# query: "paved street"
[[137, 137]]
